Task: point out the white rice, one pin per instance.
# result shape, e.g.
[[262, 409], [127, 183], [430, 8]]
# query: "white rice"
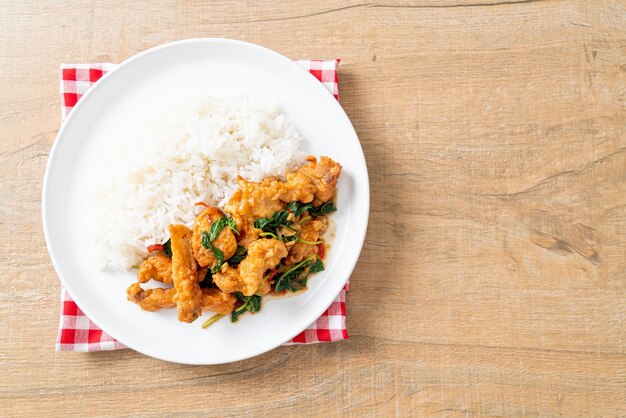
[[180, 154]]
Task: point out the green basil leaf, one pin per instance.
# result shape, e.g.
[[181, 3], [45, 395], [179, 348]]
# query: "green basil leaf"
[[317, 266], [260, 223], [219, 256], [298, 208], [248, 304], [231, 224], [216, 228], [167, 248], [234, 316], [289, 238], [270, 224], [254, 303], [293, 279], [206, 242], [239, 255], [273, 225], [323, 210]]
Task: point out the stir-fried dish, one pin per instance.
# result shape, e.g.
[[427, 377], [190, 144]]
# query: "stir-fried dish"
[[268, 239]]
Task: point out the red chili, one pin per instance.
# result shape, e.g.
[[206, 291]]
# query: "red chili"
[[321, 250], [202, 204], [271, 275], [155, 247]]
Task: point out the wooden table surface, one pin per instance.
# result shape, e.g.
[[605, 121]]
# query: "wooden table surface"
[[493, 277]]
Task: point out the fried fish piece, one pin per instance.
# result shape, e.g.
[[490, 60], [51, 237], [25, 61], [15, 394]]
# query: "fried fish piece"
[[215, 300], [225, 241], [184, 269], [262, 255], [256, 200], [155, 299], [264, 288], [228, 279], [314, 182], [252, 201], [298, 187], [247, 232], [157, 267], [151, 299]]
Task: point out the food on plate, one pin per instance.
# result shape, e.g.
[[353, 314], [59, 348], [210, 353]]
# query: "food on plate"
[[185, 274], [179, 153], [156, 299], [267, 239], [247, 278], [309, 232], [151, 299], [225, 240], [157, 267], [313, 182]]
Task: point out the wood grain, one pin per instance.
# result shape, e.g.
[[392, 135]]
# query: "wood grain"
[[493, 278]]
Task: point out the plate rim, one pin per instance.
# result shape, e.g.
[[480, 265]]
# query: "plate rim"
[[98, 86]]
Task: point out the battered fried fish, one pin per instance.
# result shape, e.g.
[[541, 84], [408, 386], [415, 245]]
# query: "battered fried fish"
[[156, 299], [157, 267], [225, 240], [184, 268], [262, 255], [314, 182]]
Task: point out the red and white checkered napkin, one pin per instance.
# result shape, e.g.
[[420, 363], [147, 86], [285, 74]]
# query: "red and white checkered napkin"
[[76, 331]]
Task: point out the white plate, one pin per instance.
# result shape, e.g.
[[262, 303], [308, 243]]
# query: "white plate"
[[213, 66]]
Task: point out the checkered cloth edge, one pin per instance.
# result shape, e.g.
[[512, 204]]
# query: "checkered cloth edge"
[[76, 331]]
